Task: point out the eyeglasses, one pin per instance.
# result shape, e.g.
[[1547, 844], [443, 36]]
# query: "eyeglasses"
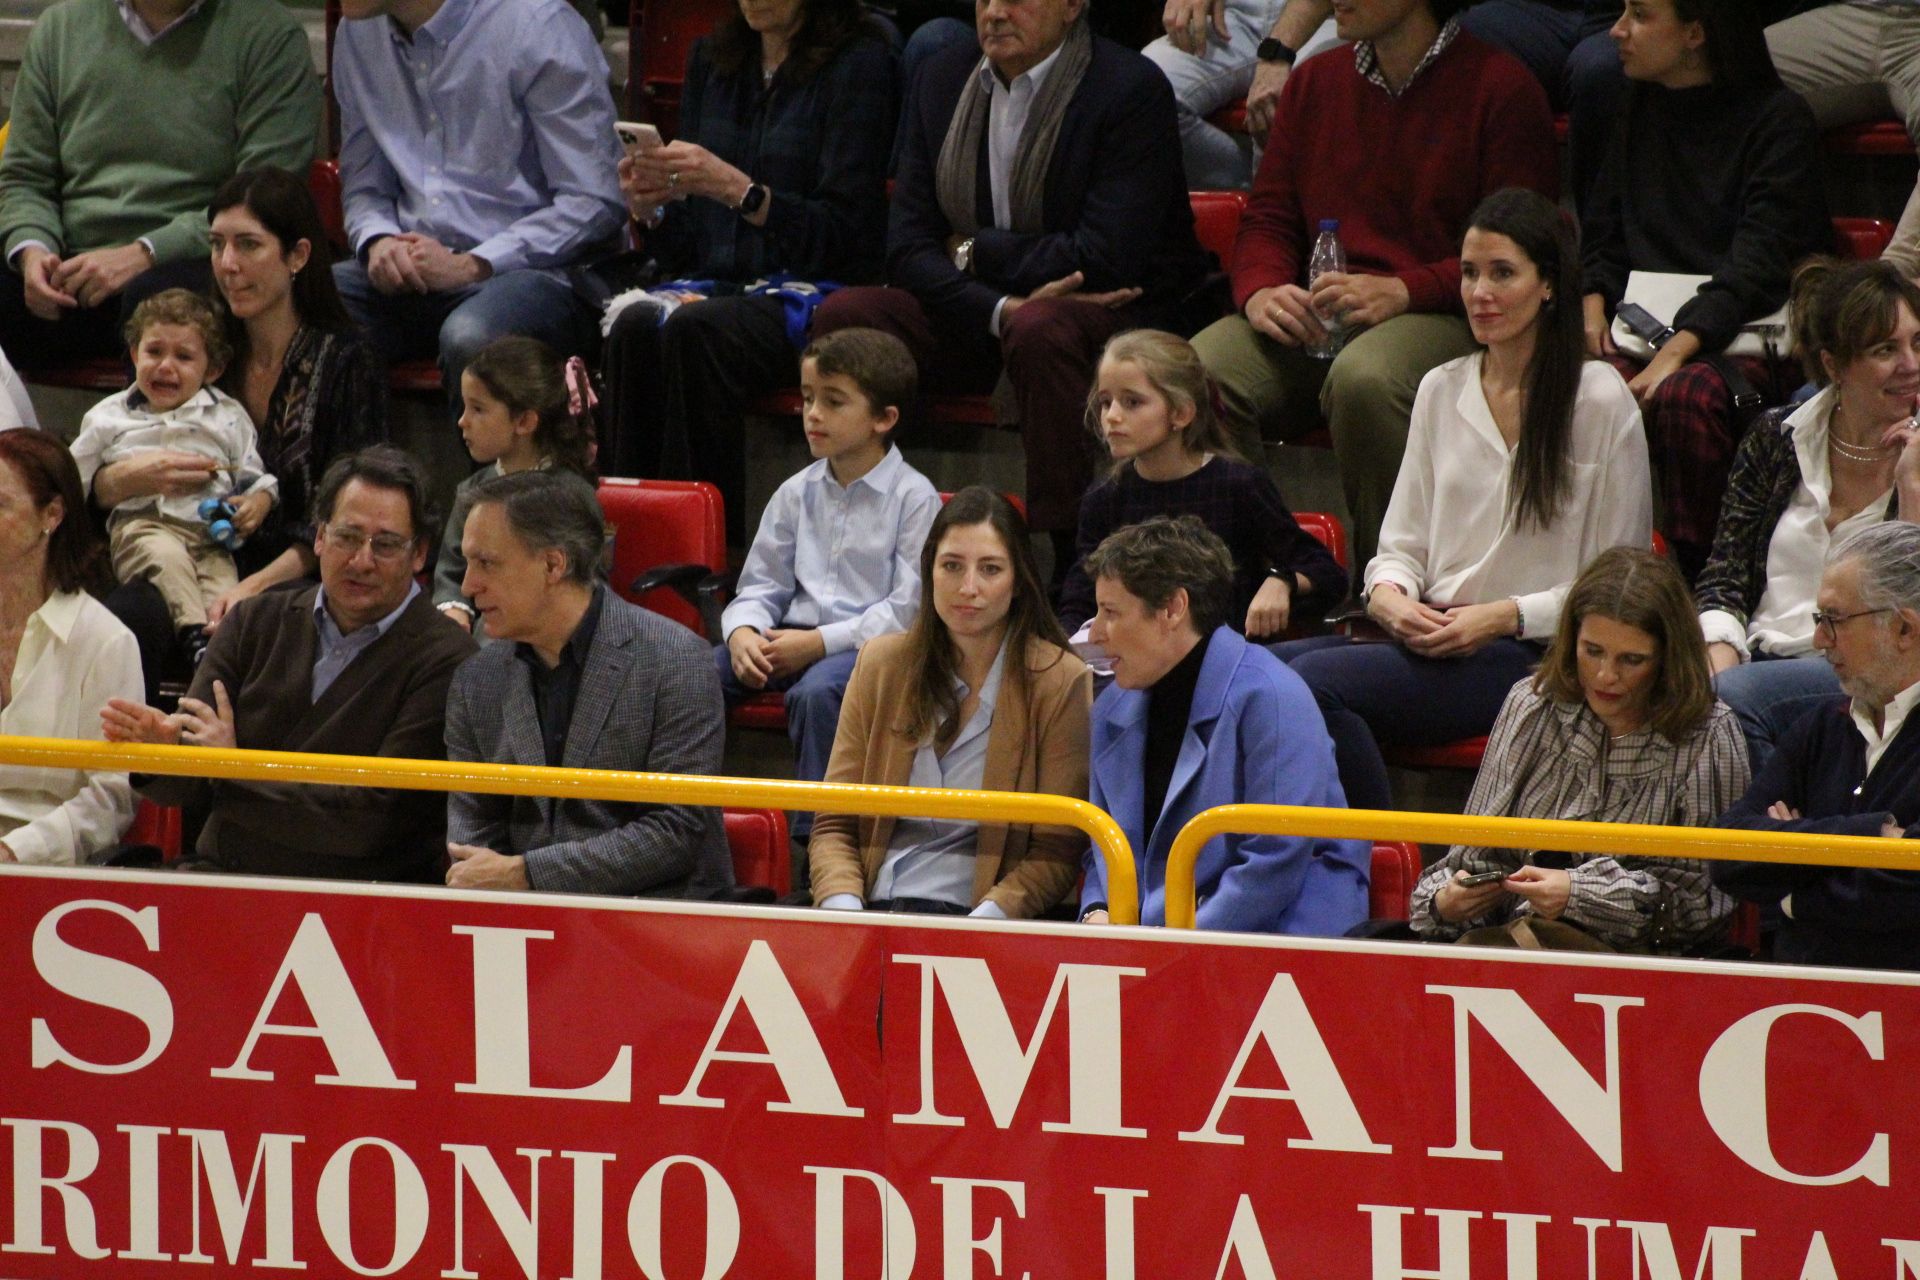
[[1829, 622], [348, 540]]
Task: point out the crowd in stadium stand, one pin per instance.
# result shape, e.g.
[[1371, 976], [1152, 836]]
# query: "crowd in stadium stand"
[[1630, 463]]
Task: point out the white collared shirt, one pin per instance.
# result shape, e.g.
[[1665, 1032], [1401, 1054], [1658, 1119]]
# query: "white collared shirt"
[[1449, 537], [210, 423], [844, 559], [1782, 623], [1892, 716], [933, 857], [73, 657]]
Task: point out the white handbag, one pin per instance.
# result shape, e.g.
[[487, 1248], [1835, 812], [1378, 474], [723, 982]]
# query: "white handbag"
[[1663, 293]]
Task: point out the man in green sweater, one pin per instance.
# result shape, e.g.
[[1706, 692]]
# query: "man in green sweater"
[[126, 117]]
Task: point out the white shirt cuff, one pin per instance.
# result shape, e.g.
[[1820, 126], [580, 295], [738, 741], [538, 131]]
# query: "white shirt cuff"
[[988, 910], [843, 902], [1720, 627], [993, 324]]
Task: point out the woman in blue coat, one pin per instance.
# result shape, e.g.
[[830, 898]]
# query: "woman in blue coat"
[[1196, 718]]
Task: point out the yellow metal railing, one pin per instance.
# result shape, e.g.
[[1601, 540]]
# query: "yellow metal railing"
[[603, 784], [1517, 833]]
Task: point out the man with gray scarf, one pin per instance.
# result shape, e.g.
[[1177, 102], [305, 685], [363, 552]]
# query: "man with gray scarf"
[[1039, 208]]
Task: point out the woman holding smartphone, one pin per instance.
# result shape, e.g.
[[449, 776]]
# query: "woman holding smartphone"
[[1619, 725], [779, 169]]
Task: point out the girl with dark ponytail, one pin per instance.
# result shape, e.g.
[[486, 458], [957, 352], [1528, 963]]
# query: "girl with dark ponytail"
[[526, 408]]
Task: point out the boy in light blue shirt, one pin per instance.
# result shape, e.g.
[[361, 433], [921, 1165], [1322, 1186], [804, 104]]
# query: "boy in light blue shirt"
[[837, 559]]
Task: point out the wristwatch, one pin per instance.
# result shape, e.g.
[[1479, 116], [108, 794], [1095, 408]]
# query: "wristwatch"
[[963, 255], [752, 202], [1272, 50]]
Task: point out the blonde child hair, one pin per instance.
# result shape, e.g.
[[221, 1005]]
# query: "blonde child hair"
[[1173, 367]]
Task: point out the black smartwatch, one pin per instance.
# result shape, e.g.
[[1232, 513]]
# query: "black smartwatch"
[[752, 202], [1272, 50]]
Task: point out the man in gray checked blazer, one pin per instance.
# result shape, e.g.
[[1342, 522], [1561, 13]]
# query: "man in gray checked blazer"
[[580, 678]]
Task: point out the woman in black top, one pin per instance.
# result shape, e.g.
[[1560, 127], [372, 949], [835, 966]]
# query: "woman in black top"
[[1713, 171], [779, 170]]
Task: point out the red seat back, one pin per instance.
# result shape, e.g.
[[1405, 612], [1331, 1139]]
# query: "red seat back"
[[1327, 530], [1396, 869], [323, 182], [158, 825], [1216, 222], [658, 522], [757, 839], [662, 33], [1860, 239]]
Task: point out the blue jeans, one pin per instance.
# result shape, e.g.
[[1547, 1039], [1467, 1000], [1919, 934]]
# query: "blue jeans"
[[452, 325], [813, 713], [1381, 693], [1204, 83], [1768, 694]]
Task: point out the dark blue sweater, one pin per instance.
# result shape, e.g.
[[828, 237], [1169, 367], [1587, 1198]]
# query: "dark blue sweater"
[[1841, 915]]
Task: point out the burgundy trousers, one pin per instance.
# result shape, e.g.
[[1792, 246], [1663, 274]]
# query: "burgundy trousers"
[[1048, 347]]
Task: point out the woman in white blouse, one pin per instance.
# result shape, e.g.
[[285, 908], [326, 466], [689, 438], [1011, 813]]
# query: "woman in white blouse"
[[1803, 479], [62, 655], [1524, 461]]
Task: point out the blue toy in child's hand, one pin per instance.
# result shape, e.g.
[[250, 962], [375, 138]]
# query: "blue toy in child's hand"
[[218, 513]]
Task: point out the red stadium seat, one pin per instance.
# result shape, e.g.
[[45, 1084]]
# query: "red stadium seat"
[[1396, 869], [1216, 222], [1329, 530], [1871, 138], [668, 538], [157, 825], [662, 32], [757, 838], [1861, 239], [323, 183], [1464, 754], [1231, 118]]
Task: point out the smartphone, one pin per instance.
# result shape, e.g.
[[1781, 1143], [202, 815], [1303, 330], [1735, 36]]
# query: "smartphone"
[[636, 136], [1484, 877], [1642, 324]]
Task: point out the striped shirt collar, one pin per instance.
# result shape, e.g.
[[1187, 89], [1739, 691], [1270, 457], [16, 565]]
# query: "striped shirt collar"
[[1366, 59]]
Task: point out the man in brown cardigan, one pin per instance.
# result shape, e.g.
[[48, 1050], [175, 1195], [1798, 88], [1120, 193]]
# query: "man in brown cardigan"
[[356, 666]]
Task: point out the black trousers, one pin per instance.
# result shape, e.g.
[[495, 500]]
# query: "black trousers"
[[31, 342], [677, 392]]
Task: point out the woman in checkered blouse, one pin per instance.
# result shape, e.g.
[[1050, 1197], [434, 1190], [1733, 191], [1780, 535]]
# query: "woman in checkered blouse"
[[1619, 725]]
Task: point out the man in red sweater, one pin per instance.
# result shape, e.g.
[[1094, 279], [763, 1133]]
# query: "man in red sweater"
[[1398, 140]]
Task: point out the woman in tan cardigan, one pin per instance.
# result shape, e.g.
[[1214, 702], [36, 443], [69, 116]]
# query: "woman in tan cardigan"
[[981, 694]]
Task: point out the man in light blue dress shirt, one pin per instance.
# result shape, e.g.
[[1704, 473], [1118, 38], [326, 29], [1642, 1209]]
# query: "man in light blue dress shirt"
[[477, 160]]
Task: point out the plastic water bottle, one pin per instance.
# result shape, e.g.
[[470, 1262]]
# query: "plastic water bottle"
[[1328, 255]]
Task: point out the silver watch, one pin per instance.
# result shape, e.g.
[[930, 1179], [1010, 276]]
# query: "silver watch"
[[963, 255]]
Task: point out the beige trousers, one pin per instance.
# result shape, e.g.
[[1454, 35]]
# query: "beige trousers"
[[1854, 62], [187, 566], [1364, 397]]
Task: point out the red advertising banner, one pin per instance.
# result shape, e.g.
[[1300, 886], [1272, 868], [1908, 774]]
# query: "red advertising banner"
[[215, 1076]]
